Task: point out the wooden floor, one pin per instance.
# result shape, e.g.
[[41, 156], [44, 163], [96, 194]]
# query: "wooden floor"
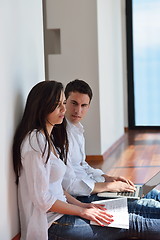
[[137, 157]]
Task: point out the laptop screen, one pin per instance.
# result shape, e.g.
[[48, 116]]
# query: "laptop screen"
[[151, 183]]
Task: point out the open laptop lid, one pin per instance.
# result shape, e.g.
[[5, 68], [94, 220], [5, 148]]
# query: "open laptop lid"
[[151, 183], [142, 190]]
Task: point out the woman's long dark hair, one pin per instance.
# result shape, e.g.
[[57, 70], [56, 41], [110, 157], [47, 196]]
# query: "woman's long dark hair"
[[42, 100]]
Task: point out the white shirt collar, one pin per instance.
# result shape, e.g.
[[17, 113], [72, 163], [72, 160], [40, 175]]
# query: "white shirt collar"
[[75, 127]]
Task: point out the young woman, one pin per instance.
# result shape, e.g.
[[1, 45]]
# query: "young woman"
[[46, 211], [39, 155]]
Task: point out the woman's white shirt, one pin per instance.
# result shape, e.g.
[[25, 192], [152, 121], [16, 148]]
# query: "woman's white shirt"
[[40, 185]]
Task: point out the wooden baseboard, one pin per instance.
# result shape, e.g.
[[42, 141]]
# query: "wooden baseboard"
[[92, 158], [17, 237], [126, 129]]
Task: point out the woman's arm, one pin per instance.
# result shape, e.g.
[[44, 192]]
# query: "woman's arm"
[[76, 202], [93, 214], [73, 200]]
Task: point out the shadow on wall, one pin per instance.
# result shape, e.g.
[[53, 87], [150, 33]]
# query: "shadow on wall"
[[18, 109], [12, 187]]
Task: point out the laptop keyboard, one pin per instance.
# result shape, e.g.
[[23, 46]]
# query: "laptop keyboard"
[[127, 194]]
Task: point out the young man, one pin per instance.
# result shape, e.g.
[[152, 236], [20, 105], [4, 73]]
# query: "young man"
[[83, 181], [80, 178]]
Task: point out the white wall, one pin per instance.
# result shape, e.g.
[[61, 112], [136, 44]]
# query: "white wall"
[[91, 49], [22, 65], [79, 54], [110, 72]]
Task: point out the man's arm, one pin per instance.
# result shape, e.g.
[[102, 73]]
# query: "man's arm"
[[75, 186], [109, 178], [93, 180], [96, 174], [115, 186]]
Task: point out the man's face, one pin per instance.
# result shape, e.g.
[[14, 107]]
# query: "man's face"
[[77, 106]]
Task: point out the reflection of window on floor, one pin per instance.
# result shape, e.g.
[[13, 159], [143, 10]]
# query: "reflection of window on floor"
[[146, 52]]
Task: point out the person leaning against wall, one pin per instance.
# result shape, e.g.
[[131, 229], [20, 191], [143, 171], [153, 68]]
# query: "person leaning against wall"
[[40, 148], [84, 182]]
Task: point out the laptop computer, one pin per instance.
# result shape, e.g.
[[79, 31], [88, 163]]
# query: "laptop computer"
[[141, 190]]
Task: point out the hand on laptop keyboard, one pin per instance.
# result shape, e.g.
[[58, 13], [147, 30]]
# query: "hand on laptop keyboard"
[[119, 186]]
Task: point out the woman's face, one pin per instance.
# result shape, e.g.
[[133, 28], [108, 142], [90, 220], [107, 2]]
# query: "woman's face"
[[56, 117]]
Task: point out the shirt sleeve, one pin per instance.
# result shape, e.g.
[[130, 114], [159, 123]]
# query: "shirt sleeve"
[[95, 173], [37, 180], [75, 186], [80, 178]]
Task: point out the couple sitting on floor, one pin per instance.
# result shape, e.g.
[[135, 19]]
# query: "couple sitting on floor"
[[55, 184]]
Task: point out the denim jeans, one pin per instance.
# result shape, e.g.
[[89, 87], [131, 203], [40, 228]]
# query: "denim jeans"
[[144, 223]]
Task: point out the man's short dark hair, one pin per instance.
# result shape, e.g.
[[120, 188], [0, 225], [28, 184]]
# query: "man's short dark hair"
[[78, 86]]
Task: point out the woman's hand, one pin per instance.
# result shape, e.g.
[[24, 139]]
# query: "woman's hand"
[[97, 214]]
